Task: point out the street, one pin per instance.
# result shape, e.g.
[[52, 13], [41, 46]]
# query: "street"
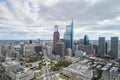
[[3, 76]]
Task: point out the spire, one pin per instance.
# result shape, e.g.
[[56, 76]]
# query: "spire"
[[56, 28]]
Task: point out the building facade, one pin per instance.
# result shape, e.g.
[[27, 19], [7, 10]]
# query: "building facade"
[[114, 47], [28, 50], [78, 71], [60, 49], [86, 48], [101, 46], [86, 40], [68, 37], [56, 37]]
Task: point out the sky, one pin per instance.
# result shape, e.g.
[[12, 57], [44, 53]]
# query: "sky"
[[35, 19]]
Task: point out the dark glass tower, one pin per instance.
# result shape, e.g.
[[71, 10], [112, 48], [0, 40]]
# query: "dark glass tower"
[[86, 40], [68, 37], [30, 41]]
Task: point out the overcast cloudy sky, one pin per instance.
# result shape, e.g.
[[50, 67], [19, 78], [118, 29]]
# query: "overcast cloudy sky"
[[34, 19]]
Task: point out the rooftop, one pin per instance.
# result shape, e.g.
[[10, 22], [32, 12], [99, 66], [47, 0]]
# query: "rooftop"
[[80, 69], [10, 63], [20, 71]]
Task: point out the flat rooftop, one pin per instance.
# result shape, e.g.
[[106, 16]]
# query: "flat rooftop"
[[79, 69], [11, 63]]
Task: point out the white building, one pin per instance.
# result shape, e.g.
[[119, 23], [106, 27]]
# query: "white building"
[[15, 71], [9, 65], [21, 74], [80, 53], [78, 71], [49, 50]]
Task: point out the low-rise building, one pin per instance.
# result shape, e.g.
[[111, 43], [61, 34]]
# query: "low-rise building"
[[21, 74], [9, 65], [78, 71], [112, 74], [15, 71], [80, 53]]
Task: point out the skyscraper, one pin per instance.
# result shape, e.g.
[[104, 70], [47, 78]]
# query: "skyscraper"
[[86, 40], [56, 37], [114, 47], [30, 41], [68, 37], [101, 46]]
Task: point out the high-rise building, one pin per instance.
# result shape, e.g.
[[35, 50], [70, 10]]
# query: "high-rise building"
[[95, 47], [86, 40], [28, 50], [86, 48], [68, 37], [30, 41], [101, 46], [106, 47], [114, 47], [56, 37], [60, 48]]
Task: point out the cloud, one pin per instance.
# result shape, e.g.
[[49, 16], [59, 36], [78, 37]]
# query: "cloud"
[[33, 19]]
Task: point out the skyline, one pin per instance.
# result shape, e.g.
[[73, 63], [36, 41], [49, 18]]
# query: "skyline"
[[35, 19]]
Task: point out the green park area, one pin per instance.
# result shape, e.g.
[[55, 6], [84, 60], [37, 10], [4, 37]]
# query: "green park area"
[[59, 65], [36, 58]]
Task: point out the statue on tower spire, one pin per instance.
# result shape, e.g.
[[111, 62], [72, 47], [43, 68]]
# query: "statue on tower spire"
[[56, 28]]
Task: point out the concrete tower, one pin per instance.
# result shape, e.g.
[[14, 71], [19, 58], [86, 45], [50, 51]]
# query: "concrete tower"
[[56, 37], [101, 46], [114, 47]]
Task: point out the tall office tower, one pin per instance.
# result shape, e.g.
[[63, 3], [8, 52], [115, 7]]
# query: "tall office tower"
[[56, 37], [68, 37], [106, 47], [86, 40], [114, 47], [101, 46], [30, 41], [60, 48]]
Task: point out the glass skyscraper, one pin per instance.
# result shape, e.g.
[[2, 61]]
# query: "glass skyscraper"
[[86, 40], [68, 37]]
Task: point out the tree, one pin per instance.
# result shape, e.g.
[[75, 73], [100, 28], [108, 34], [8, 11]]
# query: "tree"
[[34, 78], [59, 65]]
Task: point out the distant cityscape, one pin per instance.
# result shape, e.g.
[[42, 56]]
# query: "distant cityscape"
[[60, 59]]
